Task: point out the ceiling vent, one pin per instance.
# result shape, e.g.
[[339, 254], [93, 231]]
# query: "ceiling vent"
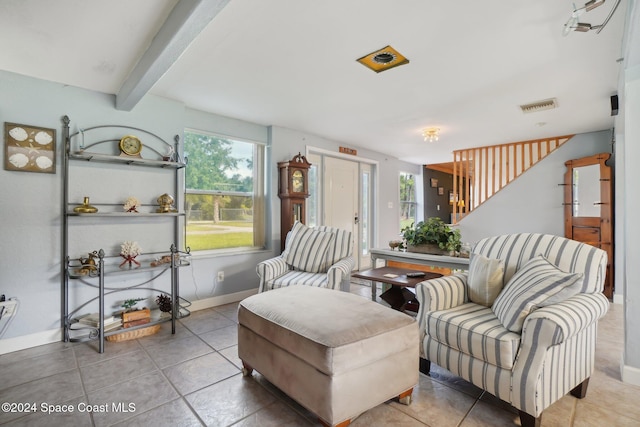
[[534, 107]]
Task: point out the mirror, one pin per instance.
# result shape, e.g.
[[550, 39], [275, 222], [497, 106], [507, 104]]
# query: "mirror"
[[586, 191]]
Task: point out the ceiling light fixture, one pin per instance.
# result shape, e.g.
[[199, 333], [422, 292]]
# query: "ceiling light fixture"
[[431, 134], [383, 59], [573, 23]]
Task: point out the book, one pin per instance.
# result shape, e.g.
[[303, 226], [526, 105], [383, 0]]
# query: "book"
[[93, 319], [112, 326]]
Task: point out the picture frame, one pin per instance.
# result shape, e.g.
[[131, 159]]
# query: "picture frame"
[[440, 191], [452, 199], [434, 182], [29, 148]]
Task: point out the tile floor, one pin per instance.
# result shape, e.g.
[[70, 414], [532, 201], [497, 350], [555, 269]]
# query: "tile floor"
[[193, 378]]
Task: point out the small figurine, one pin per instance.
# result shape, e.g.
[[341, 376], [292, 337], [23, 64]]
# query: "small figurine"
[[88, 265]]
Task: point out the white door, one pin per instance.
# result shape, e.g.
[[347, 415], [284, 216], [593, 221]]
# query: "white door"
[[341, 206]]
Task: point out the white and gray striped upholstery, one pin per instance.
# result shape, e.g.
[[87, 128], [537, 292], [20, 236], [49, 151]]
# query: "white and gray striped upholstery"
[[529, 288], [277, 273], [555, 351], [306, 249]]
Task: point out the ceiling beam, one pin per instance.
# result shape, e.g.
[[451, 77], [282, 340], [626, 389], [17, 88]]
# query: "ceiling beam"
[[185, 22]]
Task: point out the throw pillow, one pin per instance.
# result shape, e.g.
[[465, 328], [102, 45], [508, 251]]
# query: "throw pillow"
[[485, 279], [306, 249], [530, 287]]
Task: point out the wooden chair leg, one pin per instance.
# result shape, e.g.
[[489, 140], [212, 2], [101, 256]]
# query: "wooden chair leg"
[[580, 391], [528, 420], [425, 366], [246, 369]]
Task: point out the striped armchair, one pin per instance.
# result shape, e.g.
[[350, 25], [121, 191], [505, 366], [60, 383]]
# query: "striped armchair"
[[549, 351], [319, 256]]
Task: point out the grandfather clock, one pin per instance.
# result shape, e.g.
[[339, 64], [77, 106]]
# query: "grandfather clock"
[[293, 190]]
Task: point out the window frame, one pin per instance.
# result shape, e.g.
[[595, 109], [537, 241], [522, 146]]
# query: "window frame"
[[258, 195], [413, 204]]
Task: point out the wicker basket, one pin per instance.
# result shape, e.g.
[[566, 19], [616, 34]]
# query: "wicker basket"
[[132, 335]]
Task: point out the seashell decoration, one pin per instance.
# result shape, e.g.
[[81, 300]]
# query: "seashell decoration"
[[43, 138], [19, 160], [18, 133], [43, 162]]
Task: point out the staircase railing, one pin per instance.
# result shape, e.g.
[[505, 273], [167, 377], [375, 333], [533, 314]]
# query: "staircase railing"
[[480, 172]]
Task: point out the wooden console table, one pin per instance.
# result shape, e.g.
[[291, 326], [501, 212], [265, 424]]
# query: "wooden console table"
[[455, 263]]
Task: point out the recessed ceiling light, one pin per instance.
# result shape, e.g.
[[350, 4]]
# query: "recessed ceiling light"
[[383, 59]]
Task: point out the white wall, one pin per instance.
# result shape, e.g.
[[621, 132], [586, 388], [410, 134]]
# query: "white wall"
[[286, 143], [631, 90], [30, 252]]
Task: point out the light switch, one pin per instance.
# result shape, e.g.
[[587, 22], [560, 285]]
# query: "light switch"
[[390, 205]]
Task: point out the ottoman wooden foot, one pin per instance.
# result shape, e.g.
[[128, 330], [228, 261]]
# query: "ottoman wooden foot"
[[405, 398], [246, 369], [342, 424]]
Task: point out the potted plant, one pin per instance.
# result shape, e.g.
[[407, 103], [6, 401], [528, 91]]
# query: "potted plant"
[[130, 314], [432, 236]]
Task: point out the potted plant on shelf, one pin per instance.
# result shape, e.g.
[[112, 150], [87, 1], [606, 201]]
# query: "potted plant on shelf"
[[131, 314], [432, 236]]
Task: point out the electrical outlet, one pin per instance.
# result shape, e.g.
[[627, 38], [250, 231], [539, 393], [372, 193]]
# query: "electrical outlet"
[[9, 308], [220, 276]]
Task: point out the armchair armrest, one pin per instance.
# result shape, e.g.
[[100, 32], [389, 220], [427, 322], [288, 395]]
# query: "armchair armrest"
[[442, 293], [439, 294], [270, 269], [570, 316], [553, 329], [340, 272]]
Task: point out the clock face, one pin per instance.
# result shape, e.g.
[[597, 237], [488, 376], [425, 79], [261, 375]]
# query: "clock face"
[[130, 145], [297, 181]]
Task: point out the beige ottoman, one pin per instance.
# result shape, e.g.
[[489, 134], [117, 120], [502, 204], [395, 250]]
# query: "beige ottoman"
[[335, 353]]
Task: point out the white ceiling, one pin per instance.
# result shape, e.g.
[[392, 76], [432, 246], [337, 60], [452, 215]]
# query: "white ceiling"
[[292, 63]]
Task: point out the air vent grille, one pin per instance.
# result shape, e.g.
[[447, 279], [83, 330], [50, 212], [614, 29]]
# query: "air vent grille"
[[534, 107]]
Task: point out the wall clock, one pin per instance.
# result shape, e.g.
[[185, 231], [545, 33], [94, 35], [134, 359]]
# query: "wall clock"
[[297, 181]]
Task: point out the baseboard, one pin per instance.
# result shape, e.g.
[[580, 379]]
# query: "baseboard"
[[618, 298], [630, 375], [9, 345], [201, 304]]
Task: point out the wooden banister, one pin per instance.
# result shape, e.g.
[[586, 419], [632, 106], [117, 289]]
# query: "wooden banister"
[[480, 172]]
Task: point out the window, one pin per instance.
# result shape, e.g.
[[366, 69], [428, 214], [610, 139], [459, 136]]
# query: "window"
[[224, 197], [408, 204]]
